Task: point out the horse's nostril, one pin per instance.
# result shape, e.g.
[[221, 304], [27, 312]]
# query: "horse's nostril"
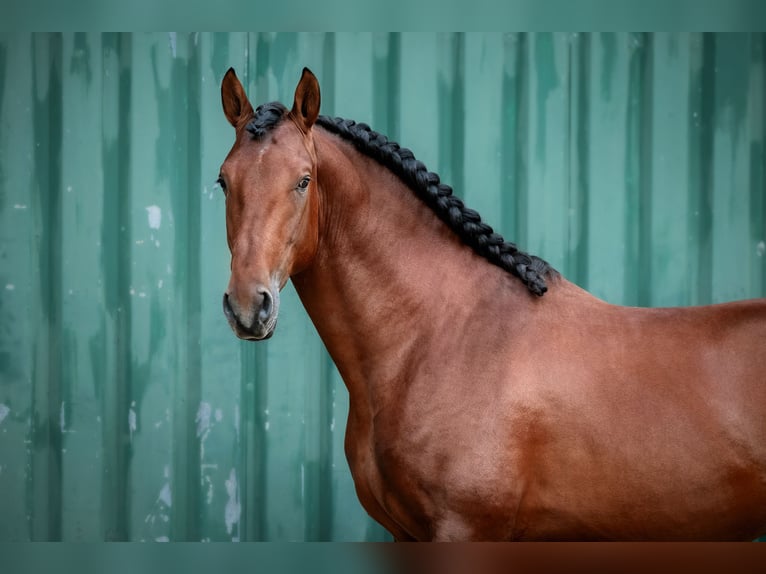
[[227, 306], [267, 304]]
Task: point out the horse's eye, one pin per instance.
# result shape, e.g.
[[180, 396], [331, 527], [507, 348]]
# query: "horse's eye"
[[222, 184], [303, 184]]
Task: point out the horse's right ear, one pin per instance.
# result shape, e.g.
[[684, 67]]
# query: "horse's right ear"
[[236, 106]]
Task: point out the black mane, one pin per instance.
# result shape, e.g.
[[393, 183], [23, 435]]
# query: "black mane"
[[465, 222]]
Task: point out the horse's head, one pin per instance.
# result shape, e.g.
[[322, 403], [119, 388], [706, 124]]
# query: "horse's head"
[[269, 179]]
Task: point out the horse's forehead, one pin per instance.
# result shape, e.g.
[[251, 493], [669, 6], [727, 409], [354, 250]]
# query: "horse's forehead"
[[288, 139], [274, 150]]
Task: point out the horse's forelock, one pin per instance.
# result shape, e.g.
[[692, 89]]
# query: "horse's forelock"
[[266, 118]]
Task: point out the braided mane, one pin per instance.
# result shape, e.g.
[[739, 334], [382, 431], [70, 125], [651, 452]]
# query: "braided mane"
[[465, 222]]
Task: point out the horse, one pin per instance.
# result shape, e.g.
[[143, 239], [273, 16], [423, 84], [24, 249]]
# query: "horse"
[[489, 397]]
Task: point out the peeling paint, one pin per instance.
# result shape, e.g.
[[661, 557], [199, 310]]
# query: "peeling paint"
[[154, 214], [233, 510], [165, 495], [209, 494], [172, 38], [203, 418], [132, 424]]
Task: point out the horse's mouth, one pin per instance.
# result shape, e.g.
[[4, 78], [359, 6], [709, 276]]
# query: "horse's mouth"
[[247, 335], [261, 334]]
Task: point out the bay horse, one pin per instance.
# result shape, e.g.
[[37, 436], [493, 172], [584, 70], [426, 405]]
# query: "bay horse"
[[490, 398]]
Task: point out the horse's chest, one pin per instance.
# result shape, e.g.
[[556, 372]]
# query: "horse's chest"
[[414, 478]]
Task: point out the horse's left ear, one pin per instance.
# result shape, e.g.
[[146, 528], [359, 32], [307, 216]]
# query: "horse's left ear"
[[307, 100]]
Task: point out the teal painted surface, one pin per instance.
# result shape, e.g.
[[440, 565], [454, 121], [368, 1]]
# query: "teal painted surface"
[[129, 411]]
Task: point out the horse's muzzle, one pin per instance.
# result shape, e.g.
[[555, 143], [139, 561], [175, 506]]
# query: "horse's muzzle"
[[255, 322]]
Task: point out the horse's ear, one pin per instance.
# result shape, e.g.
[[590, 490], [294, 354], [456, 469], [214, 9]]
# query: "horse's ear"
[[236, 106], [307, 100]]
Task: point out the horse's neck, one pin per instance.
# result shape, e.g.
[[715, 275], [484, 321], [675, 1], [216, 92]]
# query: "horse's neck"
[[387, 274]]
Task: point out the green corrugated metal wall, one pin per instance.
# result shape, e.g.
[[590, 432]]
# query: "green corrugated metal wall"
[[128, 410]]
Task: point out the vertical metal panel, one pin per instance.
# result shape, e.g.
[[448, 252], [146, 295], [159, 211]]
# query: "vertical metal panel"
[[128, 411]]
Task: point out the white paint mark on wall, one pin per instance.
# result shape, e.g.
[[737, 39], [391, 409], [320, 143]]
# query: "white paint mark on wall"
[[132, 425], [236, 421], [4, 411], [203, 418], [172, 39], [165, 495], [159, 284], [62, 417], [162, 539], [10, 287], [19, 206], [218, 415], [209, 495], [760, 249], [232, 511], [154, 213]]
